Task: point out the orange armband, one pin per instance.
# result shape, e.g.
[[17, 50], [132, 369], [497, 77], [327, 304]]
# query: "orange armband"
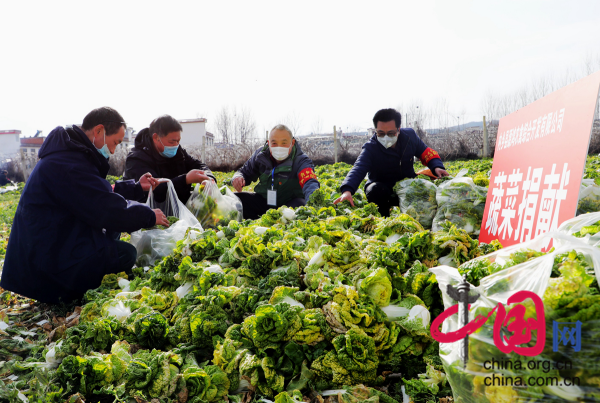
[[305, 175], [428, 155]]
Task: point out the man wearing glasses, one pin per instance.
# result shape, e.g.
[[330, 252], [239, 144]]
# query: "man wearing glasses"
[[64, 237], [388, 158]]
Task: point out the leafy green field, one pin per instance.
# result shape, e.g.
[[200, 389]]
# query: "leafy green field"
[[323, 297]]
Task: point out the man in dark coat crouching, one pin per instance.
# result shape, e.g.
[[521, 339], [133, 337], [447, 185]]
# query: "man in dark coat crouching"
[[64, 235]]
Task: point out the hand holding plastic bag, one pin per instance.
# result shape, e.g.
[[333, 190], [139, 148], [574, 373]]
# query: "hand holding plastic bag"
[[214, 207], [154, 244]]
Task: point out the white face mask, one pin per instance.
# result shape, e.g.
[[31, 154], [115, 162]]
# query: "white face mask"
[[280, 153], [387, 141]]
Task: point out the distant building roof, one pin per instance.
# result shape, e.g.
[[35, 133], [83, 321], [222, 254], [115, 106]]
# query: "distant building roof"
[[32, 141], [10, 131], [209, 134], [199, 120]]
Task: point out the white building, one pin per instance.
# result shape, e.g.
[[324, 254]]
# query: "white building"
[[193, 131], [9, 143], [129, 140], [30, 147]]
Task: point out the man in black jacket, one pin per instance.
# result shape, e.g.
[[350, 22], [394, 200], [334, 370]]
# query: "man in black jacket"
[[64, 237], [388, 158], [4, 178], [157, 151], [286, 175]]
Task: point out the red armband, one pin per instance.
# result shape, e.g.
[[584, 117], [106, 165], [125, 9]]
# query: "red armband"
[[305, 175], [428, 155]]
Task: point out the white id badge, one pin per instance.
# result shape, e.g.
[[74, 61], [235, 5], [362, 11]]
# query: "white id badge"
[[272, 197]]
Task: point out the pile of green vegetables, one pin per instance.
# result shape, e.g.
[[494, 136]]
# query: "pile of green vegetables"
[[324, 299], [328, 303]]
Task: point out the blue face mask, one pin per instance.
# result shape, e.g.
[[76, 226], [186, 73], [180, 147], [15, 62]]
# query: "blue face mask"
[[104, 150], [169, 151]]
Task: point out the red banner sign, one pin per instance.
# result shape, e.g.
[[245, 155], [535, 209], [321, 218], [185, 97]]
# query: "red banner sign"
[[539, 162]]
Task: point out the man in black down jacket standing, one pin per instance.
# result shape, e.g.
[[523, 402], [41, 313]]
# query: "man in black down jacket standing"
[[157, 151], [388, 158]]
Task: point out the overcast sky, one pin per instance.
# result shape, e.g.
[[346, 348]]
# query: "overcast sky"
[[337, 60]]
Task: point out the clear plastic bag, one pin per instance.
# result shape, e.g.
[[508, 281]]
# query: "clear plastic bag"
[[461, 202], [565, 281], [589, 197], [154, 244], [418, 200], [585, 227], [213, 206]]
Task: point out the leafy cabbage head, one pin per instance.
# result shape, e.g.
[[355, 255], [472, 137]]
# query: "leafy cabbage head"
[[378, 286]]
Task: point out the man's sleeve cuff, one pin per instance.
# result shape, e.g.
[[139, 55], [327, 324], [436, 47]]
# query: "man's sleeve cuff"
[[345, 188]]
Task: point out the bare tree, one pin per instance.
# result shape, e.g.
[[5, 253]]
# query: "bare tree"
[[224, 125], [235, 125], [442, 114], [414, 113], [522, 98], [244, 125], [317, 125], [591, 63], [540, 88], [463, 117], [294, 121], [490, 107]]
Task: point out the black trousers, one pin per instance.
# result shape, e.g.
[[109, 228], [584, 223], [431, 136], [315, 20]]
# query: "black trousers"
[[383, 195], [255, 205], [78, 279], [127, 257]]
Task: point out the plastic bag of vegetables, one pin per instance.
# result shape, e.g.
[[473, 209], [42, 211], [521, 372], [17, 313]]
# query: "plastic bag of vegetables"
[[461, 202], [589, 197], [156, 243], [214, 207], [562, 285], [418, 200], [586, 227]]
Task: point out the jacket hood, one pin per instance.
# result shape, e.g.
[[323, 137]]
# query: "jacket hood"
[[143, 139], [72, 138]]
